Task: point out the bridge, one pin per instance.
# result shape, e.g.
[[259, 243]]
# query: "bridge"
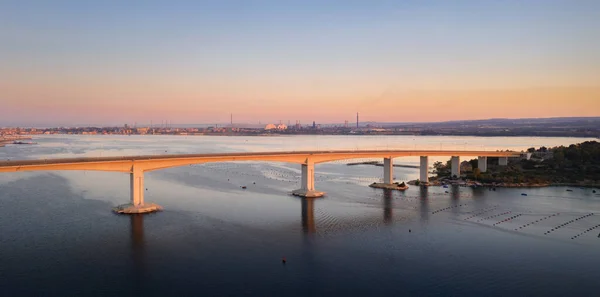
[[137, 165]]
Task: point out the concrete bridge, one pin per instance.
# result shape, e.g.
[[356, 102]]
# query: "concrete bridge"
[[137, 165]]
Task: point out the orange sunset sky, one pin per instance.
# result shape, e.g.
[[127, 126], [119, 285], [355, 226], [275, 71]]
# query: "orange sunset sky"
[[390, 61]]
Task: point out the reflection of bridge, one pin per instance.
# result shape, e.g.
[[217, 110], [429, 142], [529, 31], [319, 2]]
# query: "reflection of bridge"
[[137, 165], [309, 220]]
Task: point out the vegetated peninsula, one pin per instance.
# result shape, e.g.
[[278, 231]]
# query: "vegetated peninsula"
[[575, 165]]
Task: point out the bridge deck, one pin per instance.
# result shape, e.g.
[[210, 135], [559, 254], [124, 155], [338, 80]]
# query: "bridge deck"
[[350, 153]]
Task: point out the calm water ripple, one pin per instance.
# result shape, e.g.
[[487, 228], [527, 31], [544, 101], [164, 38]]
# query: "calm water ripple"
[[59, 238]]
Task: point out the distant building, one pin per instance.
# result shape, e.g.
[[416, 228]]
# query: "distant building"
[[270, 127], [141, 130]]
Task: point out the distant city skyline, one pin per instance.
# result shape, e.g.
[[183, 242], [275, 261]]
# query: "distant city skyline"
[[101, 63]]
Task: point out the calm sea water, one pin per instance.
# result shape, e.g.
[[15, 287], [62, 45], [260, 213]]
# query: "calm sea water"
[[58, 236]]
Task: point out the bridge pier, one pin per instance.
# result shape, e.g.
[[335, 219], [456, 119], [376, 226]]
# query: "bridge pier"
[[388, 177], [482, 164], [503, 161], [307, 189], [388, 171], [455, 166], [136, 193], [424, 176]]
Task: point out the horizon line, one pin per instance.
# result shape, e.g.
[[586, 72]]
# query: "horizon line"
[[223, 124]]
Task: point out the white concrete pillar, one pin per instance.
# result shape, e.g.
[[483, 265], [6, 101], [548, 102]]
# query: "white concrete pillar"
[[455, 166], [388, 170], [424, 166], [307, 188], [136, 178], [308, 177], [503, 161], [482, 164]]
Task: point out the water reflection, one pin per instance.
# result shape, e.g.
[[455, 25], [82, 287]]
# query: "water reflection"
[[137, 246], [387, 206], [308, 215], [479, 192], [424, 203], [455, 195]]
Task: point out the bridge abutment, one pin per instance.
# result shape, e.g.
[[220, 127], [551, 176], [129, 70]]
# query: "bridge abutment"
[[136, 192]]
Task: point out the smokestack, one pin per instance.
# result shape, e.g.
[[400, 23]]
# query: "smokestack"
[[357, 120]]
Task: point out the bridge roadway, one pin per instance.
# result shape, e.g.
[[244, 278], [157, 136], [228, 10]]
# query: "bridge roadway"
[[137, 165]]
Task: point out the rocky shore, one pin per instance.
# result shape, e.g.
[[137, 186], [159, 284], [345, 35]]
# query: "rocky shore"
[[394, 186]]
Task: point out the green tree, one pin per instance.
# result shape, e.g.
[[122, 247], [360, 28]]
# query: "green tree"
[[474, 163]]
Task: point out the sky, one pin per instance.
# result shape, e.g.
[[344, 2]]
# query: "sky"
[[116, 62]]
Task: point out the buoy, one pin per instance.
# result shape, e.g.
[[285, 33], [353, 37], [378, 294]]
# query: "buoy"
[[283, 260], [409, 231]]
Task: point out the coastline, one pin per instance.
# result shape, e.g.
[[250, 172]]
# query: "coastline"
[[471, 183], [394, 186]]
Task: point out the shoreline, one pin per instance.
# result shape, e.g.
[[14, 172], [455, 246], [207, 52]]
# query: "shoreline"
[[229, 134], [394, 186], [470, 183]]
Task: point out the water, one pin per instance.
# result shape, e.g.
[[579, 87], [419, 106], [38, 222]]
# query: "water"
[[58, 236]]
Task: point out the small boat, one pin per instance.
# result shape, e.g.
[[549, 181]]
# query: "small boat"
[[523, 194], [593, 191], [243, 187], [569, 190], [445, 186]]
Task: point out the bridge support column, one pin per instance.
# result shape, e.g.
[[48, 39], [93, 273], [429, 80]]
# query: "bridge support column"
[[503, 161], [482, 164], [136, 187], [388, 171], [388, 177], [424, 176], [136, 193], [455, 166], [308, 182]]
